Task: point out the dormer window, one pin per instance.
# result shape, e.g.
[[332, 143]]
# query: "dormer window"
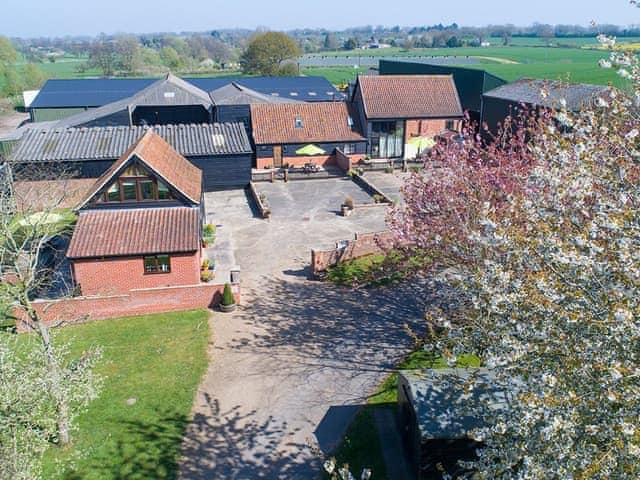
[[350, 121], [298, 122]]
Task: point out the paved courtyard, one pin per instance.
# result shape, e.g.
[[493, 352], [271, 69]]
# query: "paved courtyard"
[[289, 367]]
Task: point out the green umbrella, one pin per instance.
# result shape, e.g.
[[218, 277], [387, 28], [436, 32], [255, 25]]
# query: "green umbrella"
[[310, 149]]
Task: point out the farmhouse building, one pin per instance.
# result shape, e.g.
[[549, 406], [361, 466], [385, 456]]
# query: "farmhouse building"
[[139, 223], [397, 108], [294, 134]]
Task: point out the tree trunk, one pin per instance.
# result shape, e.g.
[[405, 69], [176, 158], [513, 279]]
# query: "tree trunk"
[[54, 380]]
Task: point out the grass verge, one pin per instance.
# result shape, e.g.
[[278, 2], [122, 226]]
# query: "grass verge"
[[158, 360]]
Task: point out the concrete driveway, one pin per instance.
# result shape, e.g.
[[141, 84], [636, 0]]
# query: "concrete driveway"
[[288, 367]]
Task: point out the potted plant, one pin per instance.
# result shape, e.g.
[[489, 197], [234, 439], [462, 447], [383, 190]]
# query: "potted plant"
[[205, 265], [347, 206], [208, 234], [206, 275], [228, 303]]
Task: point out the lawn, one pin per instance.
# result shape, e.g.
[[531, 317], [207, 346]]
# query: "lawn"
[[158, 360], [361, 445]]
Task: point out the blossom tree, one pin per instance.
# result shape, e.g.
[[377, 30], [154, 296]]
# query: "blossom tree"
[[43, 385], [544, 252]]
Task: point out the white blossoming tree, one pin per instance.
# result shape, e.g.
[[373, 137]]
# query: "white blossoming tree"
[[551, 296]]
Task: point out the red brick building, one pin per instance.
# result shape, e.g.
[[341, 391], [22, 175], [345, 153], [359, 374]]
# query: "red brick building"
[[139, 224], [294, 134], [394, 109]]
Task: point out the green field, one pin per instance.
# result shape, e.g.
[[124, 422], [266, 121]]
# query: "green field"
[[158, 360], [510, 63]]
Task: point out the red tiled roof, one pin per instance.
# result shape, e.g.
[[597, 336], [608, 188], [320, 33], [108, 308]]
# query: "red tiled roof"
[[320, 122], [409, 96], [111, 233], [161, 158]]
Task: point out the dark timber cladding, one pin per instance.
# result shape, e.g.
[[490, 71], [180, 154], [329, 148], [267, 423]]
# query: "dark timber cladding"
[[221, 151]]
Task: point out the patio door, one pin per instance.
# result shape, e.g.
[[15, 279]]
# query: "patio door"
[[277, 156]]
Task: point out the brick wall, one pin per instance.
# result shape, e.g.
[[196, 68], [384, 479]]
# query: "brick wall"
[[427, 127], [343, 161], [361, 245], [110, 276], [135, 302], [299, 161]]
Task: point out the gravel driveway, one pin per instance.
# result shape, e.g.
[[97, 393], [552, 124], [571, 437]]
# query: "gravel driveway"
[[288, 367]]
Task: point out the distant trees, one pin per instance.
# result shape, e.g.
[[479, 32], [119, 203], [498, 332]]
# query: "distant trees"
[[267, 54], [351, 44]]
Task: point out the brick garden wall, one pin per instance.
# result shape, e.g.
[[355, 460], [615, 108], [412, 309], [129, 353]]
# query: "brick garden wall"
[[299, 161], [361, 245], [109, 276], [135, 302]]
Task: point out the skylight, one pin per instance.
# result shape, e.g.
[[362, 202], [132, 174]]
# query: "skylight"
[[350, 121], [298, 122]]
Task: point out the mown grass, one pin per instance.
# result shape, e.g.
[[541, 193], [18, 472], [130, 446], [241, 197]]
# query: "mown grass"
[[361, 446], [158, 360]]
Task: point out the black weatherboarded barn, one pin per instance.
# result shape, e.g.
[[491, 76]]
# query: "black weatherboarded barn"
[[221, 151]]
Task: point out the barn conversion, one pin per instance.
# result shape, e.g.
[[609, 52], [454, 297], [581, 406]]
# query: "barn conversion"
[[61, 98], [139, 224], [471, 83], [221, 151], [394, 109], [298, 133]]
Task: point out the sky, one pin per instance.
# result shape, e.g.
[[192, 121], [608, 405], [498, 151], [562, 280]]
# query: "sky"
[[33, 18]]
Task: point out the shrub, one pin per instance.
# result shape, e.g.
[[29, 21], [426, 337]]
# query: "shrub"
[[351, 172], [389, 169], [378, 198], [205, 264], [227, 295], [414, 169], [209, 229], [349, 202], [360, 171]]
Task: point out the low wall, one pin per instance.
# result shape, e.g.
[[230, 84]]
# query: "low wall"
[[135, 302], [370, 188], [264, 210], [361, 245]]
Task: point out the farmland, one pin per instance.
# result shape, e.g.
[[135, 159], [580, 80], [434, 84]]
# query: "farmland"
[[510, 62]]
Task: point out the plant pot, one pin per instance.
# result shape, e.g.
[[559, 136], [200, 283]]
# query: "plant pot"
[[227, 308], [346, 211]]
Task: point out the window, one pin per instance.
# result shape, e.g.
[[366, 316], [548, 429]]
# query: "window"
[[387, 139], [157, 264], [298, 122], [448, 125], [136, 184], [349, 148]]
